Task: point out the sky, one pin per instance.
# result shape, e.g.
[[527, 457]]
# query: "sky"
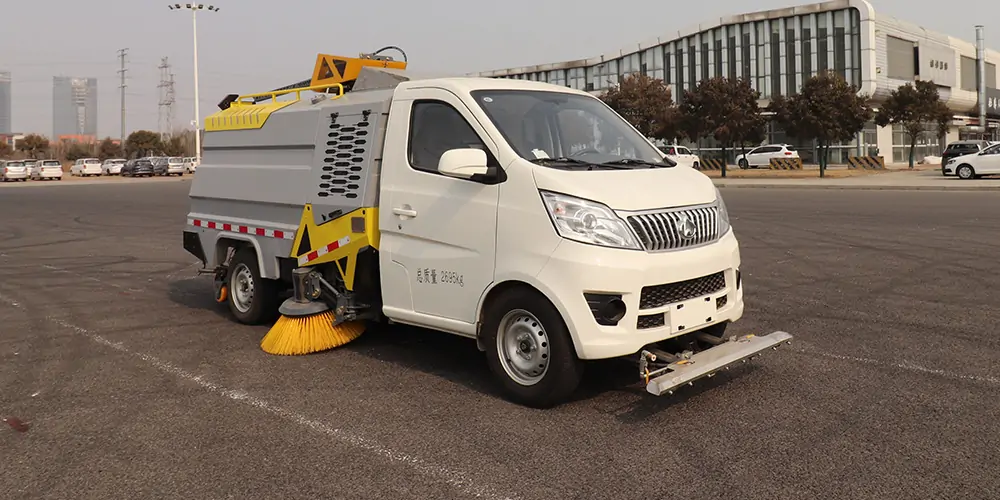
[[255, 45]]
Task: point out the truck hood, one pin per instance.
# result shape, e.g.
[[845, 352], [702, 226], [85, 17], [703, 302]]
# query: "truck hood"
[[638, 189]]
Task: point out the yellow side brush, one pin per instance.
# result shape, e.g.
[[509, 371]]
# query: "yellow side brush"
[[307, 326], [308, 334]]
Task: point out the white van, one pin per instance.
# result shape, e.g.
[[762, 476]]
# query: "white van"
[[175, 166], [85, 167], [48, 169]]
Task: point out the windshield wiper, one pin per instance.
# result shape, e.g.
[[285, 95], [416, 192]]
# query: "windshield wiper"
[[635, 161], [561, 159]]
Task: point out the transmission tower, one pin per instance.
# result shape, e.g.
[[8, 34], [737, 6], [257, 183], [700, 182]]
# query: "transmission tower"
[[166, 105], [121, 56]]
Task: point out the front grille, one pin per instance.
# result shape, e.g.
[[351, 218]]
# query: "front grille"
[[670, 293], [673, 229]]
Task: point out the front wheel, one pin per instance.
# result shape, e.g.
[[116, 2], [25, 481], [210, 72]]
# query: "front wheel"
[[743, 164], [965, 172], [529, 349]]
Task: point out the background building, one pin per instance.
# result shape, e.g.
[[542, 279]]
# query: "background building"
[[5, 103], [74, 106], [778, 49]]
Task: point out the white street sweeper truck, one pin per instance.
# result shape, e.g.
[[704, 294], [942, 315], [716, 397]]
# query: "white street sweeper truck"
[[528, 217]]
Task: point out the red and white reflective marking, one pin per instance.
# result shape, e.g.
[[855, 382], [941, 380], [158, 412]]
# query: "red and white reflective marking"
[[237, 228], [315, 254]]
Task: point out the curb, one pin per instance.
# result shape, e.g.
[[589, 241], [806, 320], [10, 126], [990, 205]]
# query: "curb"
[[860, 187]]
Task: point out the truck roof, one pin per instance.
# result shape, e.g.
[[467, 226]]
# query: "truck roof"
[[371, 78]]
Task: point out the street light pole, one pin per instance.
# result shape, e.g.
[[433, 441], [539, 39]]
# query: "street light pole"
[[195, 7]]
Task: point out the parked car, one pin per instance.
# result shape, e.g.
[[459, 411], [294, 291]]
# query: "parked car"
[[112, 166], [48, 169], [960, 148], [175, 166], [159, 165], [31, 166], [141, 167], [14, 170], [974, 165], [681, 155], [85, 167], [761, 156], [190, 164]]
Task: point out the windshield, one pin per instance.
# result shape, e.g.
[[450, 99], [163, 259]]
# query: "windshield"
[[51, 163], [543, 124]]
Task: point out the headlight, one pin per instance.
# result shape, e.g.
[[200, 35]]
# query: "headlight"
[[951, 161], [723, 213], [588, 222]]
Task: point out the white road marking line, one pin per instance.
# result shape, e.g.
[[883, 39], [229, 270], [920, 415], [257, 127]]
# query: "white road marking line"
[[448, 475], [904, 365], [91, 278]]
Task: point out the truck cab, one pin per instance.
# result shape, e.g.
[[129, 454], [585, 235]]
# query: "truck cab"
[[527, 216]]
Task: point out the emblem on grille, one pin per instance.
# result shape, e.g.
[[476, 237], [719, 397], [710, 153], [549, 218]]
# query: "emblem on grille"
[[686, 227]]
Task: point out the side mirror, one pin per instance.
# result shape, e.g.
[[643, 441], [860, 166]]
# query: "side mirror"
[[463, 163]]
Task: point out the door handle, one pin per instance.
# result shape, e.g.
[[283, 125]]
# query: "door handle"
[[404, 212]]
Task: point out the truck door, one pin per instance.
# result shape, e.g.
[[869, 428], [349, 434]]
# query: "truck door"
[[438, 233]]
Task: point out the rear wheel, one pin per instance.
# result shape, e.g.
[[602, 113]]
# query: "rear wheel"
[[529, 349], [252, 299]]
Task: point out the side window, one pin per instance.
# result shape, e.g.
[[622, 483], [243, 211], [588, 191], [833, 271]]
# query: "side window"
[[436, 127], [756, 151]]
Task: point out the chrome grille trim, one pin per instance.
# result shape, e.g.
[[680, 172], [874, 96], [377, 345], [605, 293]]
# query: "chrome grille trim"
[[660, 230]]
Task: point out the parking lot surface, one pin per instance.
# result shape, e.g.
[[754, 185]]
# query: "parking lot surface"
[[121, 378]]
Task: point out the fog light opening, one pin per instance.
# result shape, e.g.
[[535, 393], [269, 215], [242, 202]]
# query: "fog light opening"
[[613, 310]]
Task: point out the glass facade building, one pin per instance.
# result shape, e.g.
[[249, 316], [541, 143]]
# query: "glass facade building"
[[780, 49], [74, 106], [5, 103]]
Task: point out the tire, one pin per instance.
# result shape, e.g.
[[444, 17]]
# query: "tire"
[[965, 171], [520, 318], [743, 164], [695, 165], [258, 306]]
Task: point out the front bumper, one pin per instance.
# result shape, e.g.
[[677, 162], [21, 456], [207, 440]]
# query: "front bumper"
[[947, 170], [687, 291]]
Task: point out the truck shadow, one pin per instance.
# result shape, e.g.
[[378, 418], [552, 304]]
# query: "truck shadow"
[[613, 386]]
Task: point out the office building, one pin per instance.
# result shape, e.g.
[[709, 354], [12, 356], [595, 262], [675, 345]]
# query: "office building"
[[74, 106], [777, 49]]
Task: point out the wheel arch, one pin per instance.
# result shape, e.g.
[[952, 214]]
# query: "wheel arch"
[[966, 164], [501, 287], [224, 242]]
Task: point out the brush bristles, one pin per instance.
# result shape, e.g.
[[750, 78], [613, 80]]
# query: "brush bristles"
[[309, 334]]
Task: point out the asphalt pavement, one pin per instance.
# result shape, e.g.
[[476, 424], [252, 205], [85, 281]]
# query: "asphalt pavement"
[[121, 378]]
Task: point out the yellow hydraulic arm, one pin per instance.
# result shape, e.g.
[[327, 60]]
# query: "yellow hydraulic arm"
[[328, 72]]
